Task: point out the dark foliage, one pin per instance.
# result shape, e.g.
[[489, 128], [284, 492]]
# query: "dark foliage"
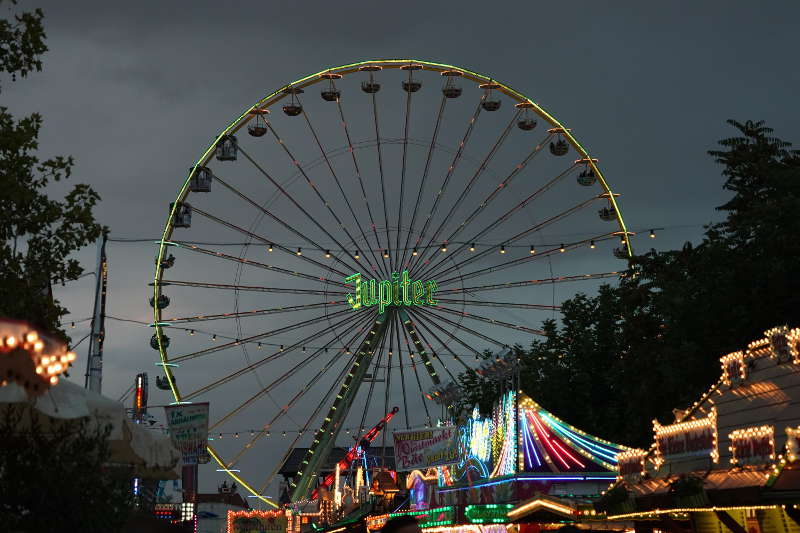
[[38, 235], [635, 352], [57, 478]]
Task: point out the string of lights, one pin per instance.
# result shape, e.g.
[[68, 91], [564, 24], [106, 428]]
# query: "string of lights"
[[647, 232], [262, 345]]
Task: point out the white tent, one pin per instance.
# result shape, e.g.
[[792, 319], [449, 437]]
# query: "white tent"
[[151, 454]]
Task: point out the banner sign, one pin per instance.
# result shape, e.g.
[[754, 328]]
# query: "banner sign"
[[426, 448], [753, 445], [188, 429], [684, 440]]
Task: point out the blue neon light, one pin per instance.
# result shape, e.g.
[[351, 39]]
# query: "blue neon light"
[[529, 445], [605, 452], [538, 478]]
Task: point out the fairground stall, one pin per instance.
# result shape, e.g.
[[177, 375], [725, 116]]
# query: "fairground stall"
[[729, 462]]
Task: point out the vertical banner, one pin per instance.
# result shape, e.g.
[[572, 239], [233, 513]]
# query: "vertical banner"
[[420, 449], [188, 429]]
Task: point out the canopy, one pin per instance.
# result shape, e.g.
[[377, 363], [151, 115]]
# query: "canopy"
[[151, 454]]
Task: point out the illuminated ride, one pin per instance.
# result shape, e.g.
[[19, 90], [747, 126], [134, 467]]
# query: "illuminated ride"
[[360, 236]]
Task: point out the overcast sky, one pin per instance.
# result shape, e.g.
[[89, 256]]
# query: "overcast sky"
[[135, 91]]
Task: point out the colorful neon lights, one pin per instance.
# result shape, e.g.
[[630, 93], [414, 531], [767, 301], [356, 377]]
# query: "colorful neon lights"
[[493, 513], [504, 440], [397, 292]]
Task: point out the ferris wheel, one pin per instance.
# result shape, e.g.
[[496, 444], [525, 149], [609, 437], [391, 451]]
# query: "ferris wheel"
[[355, 240]]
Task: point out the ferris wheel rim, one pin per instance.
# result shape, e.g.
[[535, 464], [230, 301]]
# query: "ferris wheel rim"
[[286, 90]]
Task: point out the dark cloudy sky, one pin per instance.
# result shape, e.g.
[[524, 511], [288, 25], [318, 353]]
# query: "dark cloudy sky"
[[135, 91]]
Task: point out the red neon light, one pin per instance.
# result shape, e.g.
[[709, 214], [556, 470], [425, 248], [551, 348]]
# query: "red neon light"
[[545, 437], [352, 454]]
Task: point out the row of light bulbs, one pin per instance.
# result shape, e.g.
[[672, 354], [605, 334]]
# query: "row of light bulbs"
[[443, 248], [267, 433]]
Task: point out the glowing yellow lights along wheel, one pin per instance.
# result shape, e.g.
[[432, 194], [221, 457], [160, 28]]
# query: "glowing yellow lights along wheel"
[[357, 238]]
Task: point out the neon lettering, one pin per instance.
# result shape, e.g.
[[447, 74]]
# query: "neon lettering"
[[398, 291]]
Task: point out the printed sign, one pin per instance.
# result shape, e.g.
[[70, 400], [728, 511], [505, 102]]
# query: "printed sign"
[[693, 438], [425, 448], [188, 429]]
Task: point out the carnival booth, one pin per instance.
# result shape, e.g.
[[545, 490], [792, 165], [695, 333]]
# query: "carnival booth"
[[469, 478], [730, 461]]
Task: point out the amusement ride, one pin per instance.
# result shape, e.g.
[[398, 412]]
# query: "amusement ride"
[[355, 240]]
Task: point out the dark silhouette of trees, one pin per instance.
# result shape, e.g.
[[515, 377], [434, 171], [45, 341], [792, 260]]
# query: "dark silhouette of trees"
[[38, 234], [635, 352]]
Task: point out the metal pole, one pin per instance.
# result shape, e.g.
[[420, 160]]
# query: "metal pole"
[[94, 363]]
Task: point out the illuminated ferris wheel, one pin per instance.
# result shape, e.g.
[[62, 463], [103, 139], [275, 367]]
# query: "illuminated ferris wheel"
[[355, 240]]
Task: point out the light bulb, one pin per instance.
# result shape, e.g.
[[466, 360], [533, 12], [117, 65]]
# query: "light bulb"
[[472, 247], [502, 249], [299, 252]]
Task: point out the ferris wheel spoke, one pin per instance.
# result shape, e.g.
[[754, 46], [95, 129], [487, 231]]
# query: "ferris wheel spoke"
[[400, 365], [505, 217], [527, 283], [357, 170], [467, 188], [229, 377], [396, 260], [519, 261], [324, 401], [286, 375], [371, 390], [450, 170], [500, 247], [416, 373], [505, 305], [341, 190], [254, 312], [420, 327], [266, 241], [463, 327], [387, 388], [428, 323], [300, 207], [251, 288], [257, 264], [425, 172], [492, 321], [379, 152], [286, 225], [410, 331], [260, 336], [503, 185]]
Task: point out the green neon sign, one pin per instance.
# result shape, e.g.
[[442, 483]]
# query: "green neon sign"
[[396, 292]]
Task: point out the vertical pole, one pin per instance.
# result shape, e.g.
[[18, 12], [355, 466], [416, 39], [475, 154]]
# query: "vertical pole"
[[94, 363]]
